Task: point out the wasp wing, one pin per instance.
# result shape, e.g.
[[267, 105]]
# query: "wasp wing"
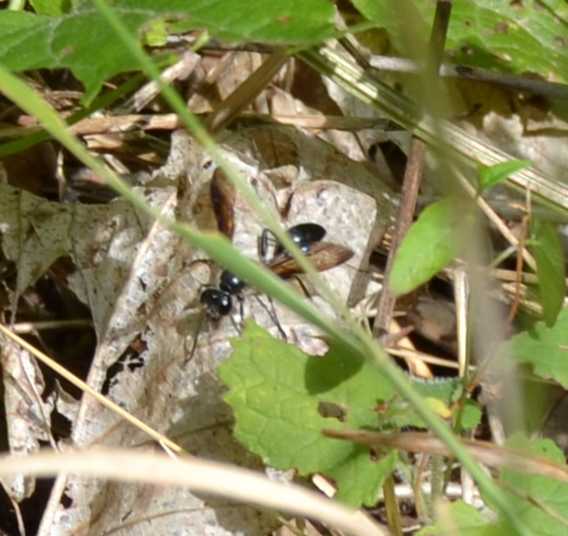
[[323, 255]]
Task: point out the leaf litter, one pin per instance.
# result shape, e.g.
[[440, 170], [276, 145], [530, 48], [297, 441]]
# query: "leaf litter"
[[147, 304], [145, 307]]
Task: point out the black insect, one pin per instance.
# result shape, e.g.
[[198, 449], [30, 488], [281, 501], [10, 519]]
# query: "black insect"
[[304, 235], [219, 301]]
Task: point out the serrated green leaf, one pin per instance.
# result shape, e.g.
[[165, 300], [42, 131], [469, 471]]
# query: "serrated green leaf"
[[549, 255], [546, 349], [32, 41], [276, 392], [283, 399], [541, 502], [512, 36], [463, 519], [429, 246], [490, 176]]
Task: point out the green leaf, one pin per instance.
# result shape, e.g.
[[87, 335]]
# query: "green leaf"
[[51, 7], [447, 390], [278, 394], [440, 395], [429, 246], [283, 399], [32, 41], [490, 176], [511, 36], [546, 349], [463, 519], [541, 502], [156, 33], [549, 255]]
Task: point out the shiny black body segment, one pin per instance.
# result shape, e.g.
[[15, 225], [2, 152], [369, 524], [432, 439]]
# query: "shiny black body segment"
[[219, 301], [304, 235]]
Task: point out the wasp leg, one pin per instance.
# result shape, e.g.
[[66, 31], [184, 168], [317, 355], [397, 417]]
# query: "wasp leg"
[[202, 317], [271, 311]]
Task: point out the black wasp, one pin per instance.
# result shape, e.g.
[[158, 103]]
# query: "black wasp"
[[218, 301]]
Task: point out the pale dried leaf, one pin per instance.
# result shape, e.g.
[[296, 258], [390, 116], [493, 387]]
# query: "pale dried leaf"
[[35, 233], [25, 419]]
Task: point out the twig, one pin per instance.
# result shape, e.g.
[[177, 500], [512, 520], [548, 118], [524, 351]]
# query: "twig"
[[420, 357], [413, 173], [203, 477], [461, 293], [178, 71], [511, 275], [32, 327], [495, 219], [134, 122], [320, 121], [453, 490], [126, 123], [411, 185], [519, 268], [552, 90], [247, 91], [485, 452]]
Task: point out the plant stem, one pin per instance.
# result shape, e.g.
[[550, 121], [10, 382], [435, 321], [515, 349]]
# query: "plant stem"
[[391, 505]]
